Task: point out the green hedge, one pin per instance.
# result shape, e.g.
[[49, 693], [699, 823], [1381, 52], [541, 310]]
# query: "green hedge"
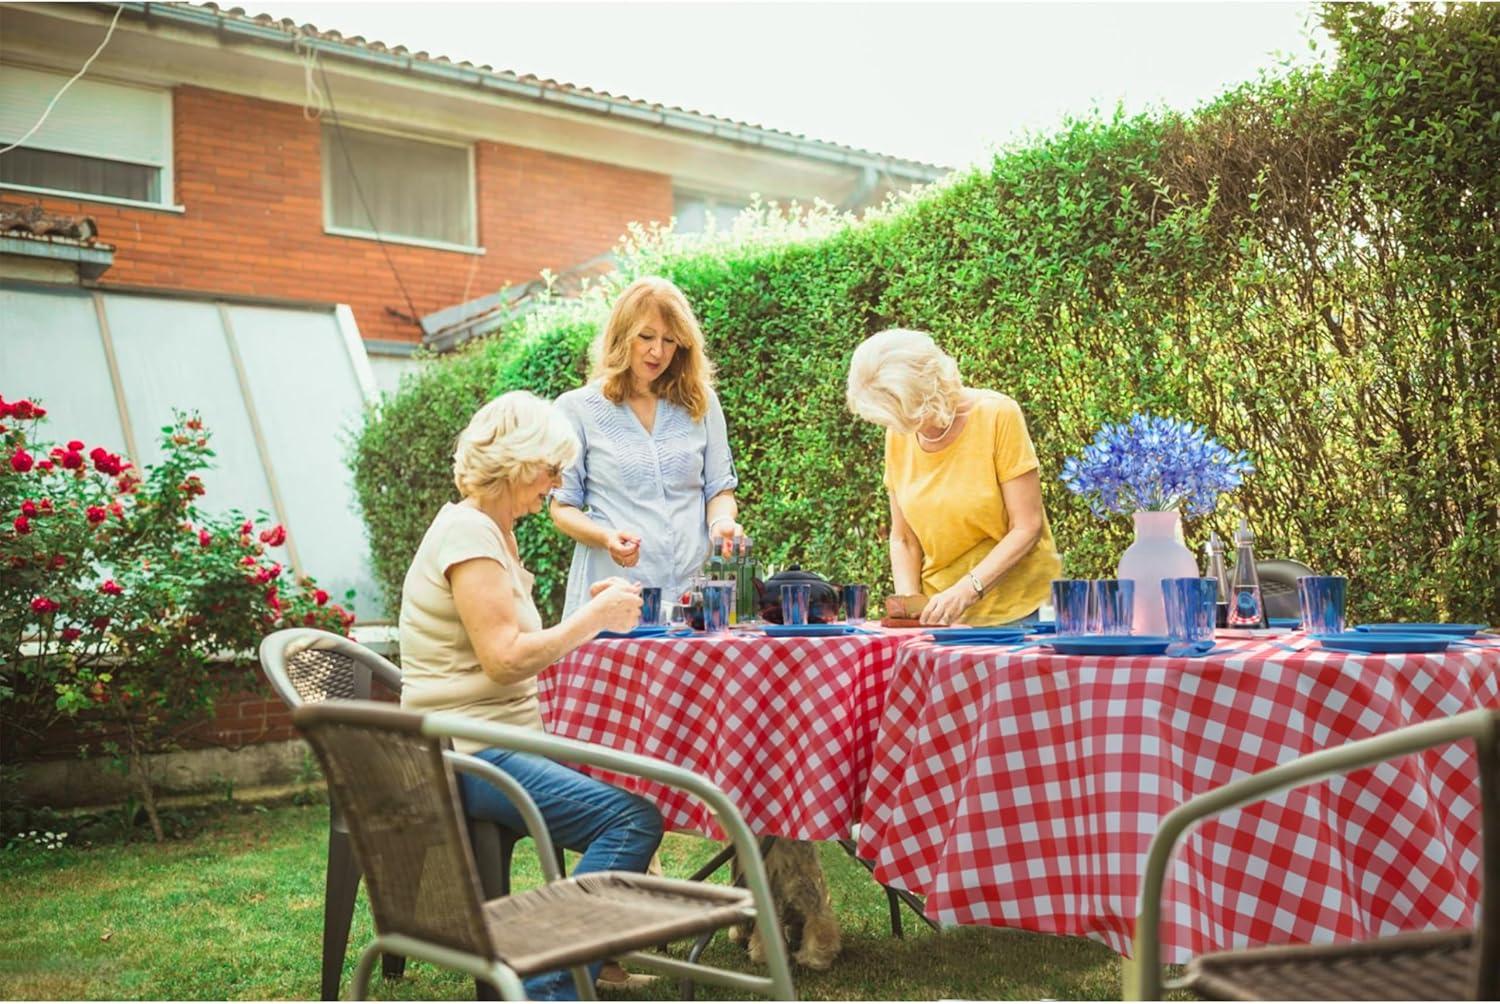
[[1308, 265]]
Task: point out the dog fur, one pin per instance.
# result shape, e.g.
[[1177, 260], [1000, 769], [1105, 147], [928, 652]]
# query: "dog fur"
[[800, 891]]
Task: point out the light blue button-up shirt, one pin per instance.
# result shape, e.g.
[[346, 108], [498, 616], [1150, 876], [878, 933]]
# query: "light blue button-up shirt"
[[654, 484]]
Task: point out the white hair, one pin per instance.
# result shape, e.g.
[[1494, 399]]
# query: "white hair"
[[508, 441], [901, 379]]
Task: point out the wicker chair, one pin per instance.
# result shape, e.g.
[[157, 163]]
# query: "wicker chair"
[[1442, 965], [307, 666], [390, 771], [1278, 585]]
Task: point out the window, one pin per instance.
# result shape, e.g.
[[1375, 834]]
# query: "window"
[[693, 210], [102, 140], [418, 191]]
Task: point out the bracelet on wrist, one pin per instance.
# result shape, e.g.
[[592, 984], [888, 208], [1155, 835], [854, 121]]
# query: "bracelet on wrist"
[[715, 522], [978, 586]]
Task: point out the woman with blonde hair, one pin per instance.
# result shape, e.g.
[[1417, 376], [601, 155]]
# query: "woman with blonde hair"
[[653, 489], [473, 642], [967, 526]]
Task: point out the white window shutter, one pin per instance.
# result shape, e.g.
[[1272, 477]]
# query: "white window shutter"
[[94, 118]]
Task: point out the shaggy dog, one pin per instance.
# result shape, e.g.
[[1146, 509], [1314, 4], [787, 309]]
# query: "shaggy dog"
[[800, 891]]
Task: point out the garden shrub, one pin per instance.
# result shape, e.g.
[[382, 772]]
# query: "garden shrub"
[[120, 599], [1309, 266]]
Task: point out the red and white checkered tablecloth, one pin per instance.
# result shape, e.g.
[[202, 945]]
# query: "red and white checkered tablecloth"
[[784, 726], [1022, 790]]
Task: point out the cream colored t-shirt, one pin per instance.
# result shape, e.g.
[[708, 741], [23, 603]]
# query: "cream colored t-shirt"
[[439, 670]]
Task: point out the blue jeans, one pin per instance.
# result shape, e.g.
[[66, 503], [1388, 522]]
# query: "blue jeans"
[[614, 829]]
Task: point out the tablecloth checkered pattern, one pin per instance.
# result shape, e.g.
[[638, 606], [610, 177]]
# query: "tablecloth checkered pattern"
[[1022, 790], [784, 726]]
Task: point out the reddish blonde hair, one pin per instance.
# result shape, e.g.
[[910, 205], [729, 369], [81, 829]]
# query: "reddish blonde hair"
[[688, 378]]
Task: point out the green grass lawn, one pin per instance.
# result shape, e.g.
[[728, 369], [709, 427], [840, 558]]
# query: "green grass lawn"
[[236, 911]]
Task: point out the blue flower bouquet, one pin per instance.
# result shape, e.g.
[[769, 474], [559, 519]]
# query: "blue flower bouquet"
[[1152, 463]]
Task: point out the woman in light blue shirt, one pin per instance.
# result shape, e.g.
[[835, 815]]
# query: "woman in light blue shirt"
[[653, 488]]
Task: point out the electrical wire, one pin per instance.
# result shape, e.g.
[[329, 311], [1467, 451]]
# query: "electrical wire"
[[119, 9], [359, 191]]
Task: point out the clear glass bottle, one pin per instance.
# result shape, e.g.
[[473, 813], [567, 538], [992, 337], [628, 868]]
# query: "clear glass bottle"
[[745, 598], [1220, 574], [1246, 609]]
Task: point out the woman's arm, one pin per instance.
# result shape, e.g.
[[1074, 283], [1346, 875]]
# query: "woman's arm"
[[906, 554], [623, 546], [1023, 502], [482, 594]]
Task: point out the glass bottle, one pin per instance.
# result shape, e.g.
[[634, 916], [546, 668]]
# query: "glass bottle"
[[744, 595], [1246, 609], [1218, 573]]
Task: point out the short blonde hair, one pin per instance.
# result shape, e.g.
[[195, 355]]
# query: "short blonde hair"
[[901, 379], [509, 441], [688, 379]]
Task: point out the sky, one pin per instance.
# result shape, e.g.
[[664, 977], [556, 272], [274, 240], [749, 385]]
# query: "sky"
[[943, 83]]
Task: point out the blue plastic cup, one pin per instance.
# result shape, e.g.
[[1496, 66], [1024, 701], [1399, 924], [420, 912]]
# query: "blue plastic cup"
[[718, 600], [1321, 599], [651, 605], [795, 597], [1070, 605], [1111, 606], [1190, 608], [856, 597]]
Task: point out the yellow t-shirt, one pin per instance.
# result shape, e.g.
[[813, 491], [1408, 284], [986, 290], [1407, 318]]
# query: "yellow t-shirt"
[[439, 669], [951, 498]]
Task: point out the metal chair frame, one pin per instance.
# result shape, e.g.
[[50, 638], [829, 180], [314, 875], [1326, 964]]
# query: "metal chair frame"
[[449, 725], [1144, 981]]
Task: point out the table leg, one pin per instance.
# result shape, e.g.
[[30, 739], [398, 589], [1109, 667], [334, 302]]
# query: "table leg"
[[913, 903]]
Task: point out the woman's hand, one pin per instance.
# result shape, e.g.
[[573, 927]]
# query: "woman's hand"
[[948, 606], [722, 535], [603, 584], [623, 546], [616, 607]]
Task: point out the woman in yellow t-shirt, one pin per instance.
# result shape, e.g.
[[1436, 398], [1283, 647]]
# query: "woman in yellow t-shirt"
[[967, 526]]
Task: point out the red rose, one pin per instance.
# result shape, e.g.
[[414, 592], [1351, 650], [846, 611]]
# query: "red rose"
[[205, 538], [273, 600], [28, 508], [246, 527], [24, 409], [70, 634], [268, 573], [104, 461], [117, 510], [5, 407], [46, 505], [309, 618], [320, 597], [276, 536], [100, 623], [72, 459], [58, 561], [21, 461], [96, 514], [76, 444], [22, 524], [193, 423], [42, 605], [247, 561], [45, 465], [111, 588]]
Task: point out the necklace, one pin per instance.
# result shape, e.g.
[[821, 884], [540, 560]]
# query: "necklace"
[[929, 440]]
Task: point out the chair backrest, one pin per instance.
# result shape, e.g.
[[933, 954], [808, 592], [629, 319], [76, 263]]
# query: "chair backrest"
[[401, 804], [1278, 585], [306, 666]]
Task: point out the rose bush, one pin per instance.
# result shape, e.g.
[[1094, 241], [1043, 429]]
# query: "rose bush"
[[121, 601]]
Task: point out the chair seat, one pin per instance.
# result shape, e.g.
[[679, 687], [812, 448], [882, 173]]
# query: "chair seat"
[[591, 916], [1420, 966]]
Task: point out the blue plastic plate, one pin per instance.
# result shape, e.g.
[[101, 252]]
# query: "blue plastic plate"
[[644, 631], [1135, 644], [1456, 630], [976, 635], [1041, 627], [809, 630], [1380, 642], [1291, 623]]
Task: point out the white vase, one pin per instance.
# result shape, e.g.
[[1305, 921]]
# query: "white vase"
[[1158, 553]]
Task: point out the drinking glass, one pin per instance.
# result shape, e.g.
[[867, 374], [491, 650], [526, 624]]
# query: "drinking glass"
[[1111, 606], [718, 601], [1321, 598], [795, 597], [856, 596], [1070, 605], [651, 605], [1190, 608]]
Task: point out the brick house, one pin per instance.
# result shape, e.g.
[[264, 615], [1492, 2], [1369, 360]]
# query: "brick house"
[[261, 221]]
